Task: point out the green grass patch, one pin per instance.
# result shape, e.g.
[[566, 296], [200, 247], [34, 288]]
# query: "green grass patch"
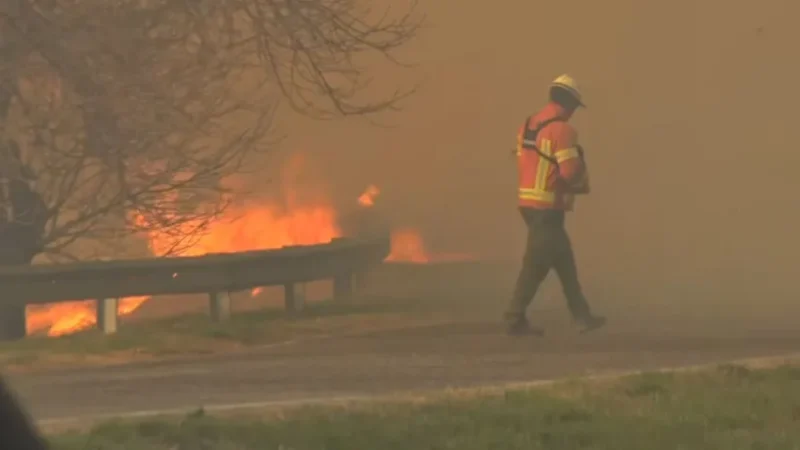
[[727, 408], [197, 334]]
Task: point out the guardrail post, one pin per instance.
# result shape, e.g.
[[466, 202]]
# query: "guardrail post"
[[107, 315], [294, 297], [12, 322], [220, 306], [343, 287], [300, 299], [289, 298], [360, 280]]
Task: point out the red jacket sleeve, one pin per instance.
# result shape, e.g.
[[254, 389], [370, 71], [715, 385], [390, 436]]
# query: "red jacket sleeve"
[[570, 165]]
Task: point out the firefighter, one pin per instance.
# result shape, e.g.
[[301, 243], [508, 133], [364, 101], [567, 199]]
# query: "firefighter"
[[552, 170]]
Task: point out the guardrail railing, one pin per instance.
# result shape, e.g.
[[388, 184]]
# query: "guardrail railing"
[[216, 275]]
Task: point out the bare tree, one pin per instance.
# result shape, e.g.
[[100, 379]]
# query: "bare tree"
[[130, 114]]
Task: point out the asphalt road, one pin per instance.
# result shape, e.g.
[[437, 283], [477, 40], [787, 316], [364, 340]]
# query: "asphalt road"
[[427, 358], [472, 351]]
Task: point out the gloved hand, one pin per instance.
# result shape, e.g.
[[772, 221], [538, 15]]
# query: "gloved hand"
[[582, 185]]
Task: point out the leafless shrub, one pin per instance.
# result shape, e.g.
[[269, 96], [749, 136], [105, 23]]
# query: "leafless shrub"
[[130, 114]]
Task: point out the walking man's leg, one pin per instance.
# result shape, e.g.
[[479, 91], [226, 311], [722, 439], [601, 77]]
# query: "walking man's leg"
[[536, 264], [567, 271]]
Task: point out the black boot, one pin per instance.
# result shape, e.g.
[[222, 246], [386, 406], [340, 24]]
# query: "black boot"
[[591, 322], [521, 327]]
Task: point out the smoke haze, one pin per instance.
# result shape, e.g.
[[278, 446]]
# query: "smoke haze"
[[690, 137]]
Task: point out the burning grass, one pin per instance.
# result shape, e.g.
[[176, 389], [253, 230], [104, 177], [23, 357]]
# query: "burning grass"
[[725, 408], [196, 335], [298, 214], [257, 224]]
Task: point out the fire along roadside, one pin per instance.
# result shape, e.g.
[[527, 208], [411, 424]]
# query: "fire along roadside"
[[243, 230]]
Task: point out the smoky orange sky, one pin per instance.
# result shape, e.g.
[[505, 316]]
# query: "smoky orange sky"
[[691, 136]]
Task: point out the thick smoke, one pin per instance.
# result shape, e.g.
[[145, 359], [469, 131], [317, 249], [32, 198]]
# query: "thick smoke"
[[690, 134]]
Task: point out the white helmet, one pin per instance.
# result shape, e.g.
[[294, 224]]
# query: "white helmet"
[[568, 84]]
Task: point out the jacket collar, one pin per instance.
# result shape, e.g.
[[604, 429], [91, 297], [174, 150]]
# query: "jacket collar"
[[552, 110]]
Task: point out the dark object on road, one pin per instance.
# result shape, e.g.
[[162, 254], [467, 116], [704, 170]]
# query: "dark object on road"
[[17, 431]]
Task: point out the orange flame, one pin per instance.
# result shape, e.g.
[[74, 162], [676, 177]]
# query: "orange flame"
[[367, 199], [65, 318], [408, 246], [255, 225], [260, 227]]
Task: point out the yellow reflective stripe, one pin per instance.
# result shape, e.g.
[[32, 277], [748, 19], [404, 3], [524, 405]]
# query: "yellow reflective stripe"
[[567, 153], [537, 195], [543, 167]]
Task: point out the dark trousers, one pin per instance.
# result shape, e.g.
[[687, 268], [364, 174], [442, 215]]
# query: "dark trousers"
[[548, 247]]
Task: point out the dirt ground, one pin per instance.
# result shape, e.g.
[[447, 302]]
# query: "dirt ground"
[[469, 351]]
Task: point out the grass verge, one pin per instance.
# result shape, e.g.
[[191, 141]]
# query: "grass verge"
[[198, 335], [726, 408]]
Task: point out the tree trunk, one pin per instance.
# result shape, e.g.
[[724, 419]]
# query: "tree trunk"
[[12, 321], [12, 310]]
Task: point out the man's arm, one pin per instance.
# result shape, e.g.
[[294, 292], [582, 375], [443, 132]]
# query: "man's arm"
[[571, 166], [582, 186]]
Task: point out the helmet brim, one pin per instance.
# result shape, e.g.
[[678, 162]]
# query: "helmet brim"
[[576, 95]]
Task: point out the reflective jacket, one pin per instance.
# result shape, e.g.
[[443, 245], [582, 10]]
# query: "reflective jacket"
[[551, 166]]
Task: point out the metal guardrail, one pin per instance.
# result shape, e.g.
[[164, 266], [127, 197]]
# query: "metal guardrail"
[[216, 275]]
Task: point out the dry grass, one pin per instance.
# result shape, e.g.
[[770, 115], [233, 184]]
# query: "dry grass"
[[727, 407], [193, 335]]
